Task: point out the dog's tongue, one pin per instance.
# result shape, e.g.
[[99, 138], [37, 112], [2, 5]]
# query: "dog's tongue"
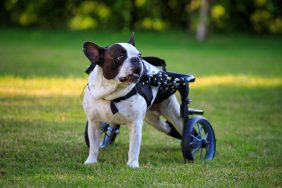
[[130, 78], [135, 77]]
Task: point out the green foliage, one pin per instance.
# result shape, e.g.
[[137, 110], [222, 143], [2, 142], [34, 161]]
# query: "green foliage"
[[86, 15], [260, 16]]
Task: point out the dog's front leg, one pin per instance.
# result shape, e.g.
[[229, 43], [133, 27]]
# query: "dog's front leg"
[[94, 138], [135, 134]]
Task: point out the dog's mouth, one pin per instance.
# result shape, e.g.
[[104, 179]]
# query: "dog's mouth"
[[133, 77]]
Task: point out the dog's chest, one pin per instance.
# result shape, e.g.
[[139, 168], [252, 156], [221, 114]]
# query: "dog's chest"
[[131, 109]]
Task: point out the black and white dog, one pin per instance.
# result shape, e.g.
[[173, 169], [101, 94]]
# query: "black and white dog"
[[119, 68]]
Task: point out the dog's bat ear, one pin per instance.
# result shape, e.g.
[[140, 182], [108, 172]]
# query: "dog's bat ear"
[[131, 39], [93, 52]]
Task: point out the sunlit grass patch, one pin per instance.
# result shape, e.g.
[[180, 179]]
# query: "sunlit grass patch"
[[237, 80], [41, 86], [55, 86]]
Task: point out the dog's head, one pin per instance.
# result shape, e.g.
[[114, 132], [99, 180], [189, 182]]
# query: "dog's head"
[[120, 61]]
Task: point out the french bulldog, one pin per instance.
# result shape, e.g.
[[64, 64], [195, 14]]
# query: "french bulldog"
[[118, 69]]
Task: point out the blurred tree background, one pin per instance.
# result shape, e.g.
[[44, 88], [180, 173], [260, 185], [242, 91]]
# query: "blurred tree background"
[[249, 16]]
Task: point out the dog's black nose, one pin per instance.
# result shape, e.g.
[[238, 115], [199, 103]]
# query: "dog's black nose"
[[134, 59]]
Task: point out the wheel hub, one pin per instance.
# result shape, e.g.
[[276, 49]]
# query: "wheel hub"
[[204, 143]]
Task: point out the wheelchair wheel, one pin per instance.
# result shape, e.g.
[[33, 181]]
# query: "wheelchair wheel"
[[198, 140], [108, 134]]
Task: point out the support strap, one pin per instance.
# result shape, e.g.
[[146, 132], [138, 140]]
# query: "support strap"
[[143, 89], [128, 95]]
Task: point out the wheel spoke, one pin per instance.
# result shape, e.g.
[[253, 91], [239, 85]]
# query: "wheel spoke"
[[193, 144], [196, 138], [206, 136], [200, 130], [196, 149]]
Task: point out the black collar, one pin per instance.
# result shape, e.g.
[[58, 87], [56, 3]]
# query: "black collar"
[[90, 68]]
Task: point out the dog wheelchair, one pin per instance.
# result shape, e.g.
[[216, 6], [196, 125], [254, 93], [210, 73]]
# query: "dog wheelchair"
[[198, 138]]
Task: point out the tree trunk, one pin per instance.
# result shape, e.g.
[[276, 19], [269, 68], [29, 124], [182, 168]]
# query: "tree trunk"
[[202, 30], [133, 15]]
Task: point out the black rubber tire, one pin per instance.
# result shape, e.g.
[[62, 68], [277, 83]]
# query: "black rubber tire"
[[115, 127], [112, 136], [190, 142]]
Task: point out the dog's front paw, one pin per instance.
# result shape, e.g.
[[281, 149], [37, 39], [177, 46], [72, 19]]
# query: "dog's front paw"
[[90, 160], [133, 164]]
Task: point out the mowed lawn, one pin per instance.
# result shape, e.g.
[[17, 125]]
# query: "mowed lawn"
[[239, 85]]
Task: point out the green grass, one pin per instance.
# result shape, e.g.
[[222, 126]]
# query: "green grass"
[[42, 132]]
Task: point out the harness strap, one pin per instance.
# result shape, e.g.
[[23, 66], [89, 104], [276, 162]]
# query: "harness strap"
[[128, 95], [145, 90]]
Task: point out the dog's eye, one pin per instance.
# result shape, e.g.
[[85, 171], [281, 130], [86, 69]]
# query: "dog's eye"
[[120, 57], [139, 55]]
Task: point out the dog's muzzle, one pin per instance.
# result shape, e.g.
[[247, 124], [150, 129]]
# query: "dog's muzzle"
[[136, 71]]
